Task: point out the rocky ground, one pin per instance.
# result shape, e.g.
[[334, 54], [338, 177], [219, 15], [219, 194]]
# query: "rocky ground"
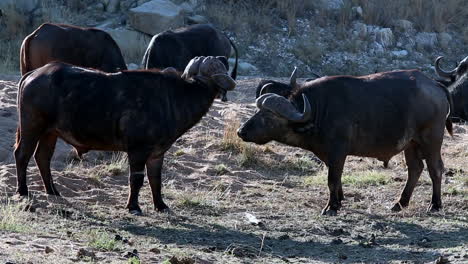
[[214, 184]]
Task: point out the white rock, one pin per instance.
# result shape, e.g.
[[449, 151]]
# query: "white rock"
[[385, 37], [197, 19], [132, 66], [156, 16], [132, 43], [377, 48], [357, 10], [400, 53]]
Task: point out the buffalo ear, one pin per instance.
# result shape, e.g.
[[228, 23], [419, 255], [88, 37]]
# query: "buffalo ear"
[[224, 81], [224, 60]]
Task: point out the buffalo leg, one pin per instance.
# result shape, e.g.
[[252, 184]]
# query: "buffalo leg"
[[136, 179], [435, 167], [415, 168], [25, 146], [335, 169], [153, 171], [43, 156]]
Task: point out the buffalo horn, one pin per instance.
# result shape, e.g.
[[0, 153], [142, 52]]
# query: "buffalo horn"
[[192, 68], [265, 88], [284, 108], [292, 79], [441, 72]]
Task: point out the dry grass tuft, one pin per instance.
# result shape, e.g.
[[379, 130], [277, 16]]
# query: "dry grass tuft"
[[247, 153], [356, 178], [13, 218]]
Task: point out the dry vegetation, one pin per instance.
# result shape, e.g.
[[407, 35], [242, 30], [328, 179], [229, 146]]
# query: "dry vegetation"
[[211, 180]]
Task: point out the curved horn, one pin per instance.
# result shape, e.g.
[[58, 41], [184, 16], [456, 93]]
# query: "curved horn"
[[284, 108], [292, 79], [192, 68], [441, 72], [265, 88]]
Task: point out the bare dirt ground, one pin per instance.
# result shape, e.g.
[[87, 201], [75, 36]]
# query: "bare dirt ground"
[[211, 180]]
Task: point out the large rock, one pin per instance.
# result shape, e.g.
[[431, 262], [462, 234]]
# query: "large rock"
[[24, 6], [156, 16], [132, 43], [426, 41], [384, 37]]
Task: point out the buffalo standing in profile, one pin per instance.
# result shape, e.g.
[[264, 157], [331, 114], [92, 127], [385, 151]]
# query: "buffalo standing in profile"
[[139, 112], [176, 48], [85, 47], [377, 115], [456, 81], [286, 90]]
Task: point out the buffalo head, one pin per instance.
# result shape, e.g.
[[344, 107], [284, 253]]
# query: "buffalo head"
[[283, 89], [211, 71], [276, 118], [454, 74]]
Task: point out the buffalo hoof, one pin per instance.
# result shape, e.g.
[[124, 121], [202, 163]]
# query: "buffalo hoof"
[[329, 211], [433, 208], [22, 191], [397, 207], [162, 207]]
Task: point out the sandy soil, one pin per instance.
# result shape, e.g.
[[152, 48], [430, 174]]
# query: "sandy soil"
[[211, 187]]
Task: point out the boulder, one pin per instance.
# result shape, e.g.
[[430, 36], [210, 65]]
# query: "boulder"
[[426, 41], [400, 53], [197, 19], [384, 37], [156, 16], [132, 43]]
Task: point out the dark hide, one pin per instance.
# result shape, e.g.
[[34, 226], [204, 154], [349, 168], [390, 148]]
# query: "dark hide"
[[138, 112], [377, 115], [85, 47], [176, 48]]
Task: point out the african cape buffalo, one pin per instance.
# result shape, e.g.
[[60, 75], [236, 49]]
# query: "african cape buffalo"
[[456, 81], [139, 112], [377, 115], [286, 90], [176, 48], [85, 47]]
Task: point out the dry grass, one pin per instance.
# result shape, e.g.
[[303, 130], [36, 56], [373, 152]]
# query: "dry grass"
[[428, 15]]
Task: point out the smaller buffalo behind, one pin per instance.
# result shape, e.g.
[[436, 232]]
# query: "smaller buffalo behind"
[[138, 112], [176, 48], [456, 81], [85, 47], [377, 115]]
